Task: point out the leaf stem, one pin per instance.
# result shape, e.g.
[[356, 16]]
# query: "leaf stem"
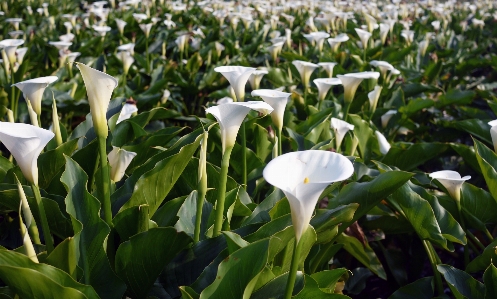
[[43, 218], [105, 183], [292, 275], [221, 195], [433, 261], [244, 155]]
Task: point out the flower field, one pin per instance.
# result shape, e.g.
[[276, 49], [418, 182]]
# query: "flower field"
[[250, 149]]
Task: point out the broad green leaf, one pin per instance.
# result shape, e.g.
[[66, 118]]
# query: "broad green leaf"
[[311, 290], [475, 127], [234, 241], [5, 166], [276, 287], [416, 105], [51, 162], [90, 233], [364, 133], [490, 280], [237, 270], [481, 262], [456, 97], [432, 71], [166, 215], [487, 158], [479, 207], [188, 293], [187, 216], [418, 88], [462, 282], [420, 289], [126, 223], [26, 278], [409, 156], [139, 263], [64, 257], [363, 253], [468, 154], [369, 194], [261, 212], [154, 185], [420, 214], [329, 278], [132, 128]]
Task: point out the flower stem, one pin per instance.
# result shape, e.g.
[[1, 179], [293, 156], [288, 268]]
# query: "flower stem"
[[147, 55], [43, 218], [280, 148], [221, 195], [13, 102], [105, 183], [244, 155], [292, 275], [433, 261], [463, 226]]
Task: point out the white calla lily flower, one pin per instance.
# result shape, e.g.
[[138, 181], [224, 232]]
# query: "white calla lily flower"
[[305, 70], [126, 112], [351, 82], [256, 77], [336, 41], [383, 143], [373, 97], [127, 60], [119, 160], [10, 47], [25, 142], [33, 90], [385, 118], [340, 128], [451, 180], [363, 36], [328, 67], [493, 132], [324, 85], [277, 100], [384, 29], [303, 176], [237, 76], [231, 115], [99, 87]]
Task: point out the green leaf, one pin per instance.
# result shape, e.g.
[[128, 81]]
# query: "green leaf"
[[462, 282], [311, 290], [420, 289], [475, 127], [479, 207], [419, 213], [468, 154], [416, 105], [369, 194], [27, 278], [64, 257], [490, 280], [364, 134], [237, 270], [126, 223], [487, 158], [5, 166], [276, 287], [410, 157], [188, 293], [363, 253], [139, 263], [90, 233], [51, 162], [418, 88], [329, 278], [132, 128], [432, 71], [166, 215], [456, 97], [261, 212], [482, 261], [154, 185]]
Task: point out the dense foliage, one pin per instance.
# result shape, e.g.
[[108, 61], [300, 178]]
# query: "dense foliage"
[[188, 185]]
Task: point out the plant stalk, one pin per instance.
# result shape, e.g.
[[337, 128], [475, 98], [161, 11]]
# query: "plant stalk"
[[280, 148], [223, 177], [433, 262], [244, 155], [105, 183], [43, 217], [292, 275]]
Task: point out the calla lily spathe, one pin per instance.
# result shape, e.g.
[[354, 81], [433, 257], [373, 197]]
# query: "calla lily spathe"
[[256, 77], [237, 76], [451, 180], [352, 80], [25, 142], [373, 97], [99, 87], [305, 70], [277, 100], [383, 143], [303, 176], [126, 112], [324, 84], [341, 128], [33, 90], [363, 36], [328, 67], [10, 46], [119, 160], [231, 115]]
